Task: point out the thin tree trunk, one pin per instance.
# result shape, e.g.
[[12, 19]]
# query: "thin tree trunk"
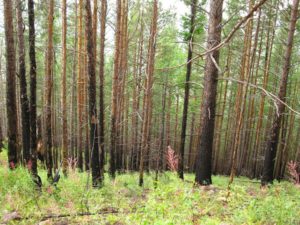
[[187, 88], [85, 104], [115, 89], [296, 156], [241, 98], [160, 154], [80, 89], [249, 122], [121, 83], [272, 143], [101, 86], [18, 125], [147, 109], [33, 133], [250, 159], [175, 141], [49, 88], [64, 91], [95, 26], [191, 152], [221, 119], [1, 135], [73, 112], [286, 147], [168, 119], [2, 122], [134, 118], [136, 107], [269, 49]]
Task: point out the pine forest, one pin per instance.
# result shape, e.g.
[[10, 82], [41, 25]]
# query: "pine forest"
[[149, 112]]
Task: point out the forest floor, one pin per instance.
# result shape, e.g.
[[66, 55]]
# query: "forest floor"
[[122, 201]]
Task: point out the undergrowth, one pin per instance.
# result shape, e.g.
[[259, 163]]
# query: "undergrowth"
[[172, 202]]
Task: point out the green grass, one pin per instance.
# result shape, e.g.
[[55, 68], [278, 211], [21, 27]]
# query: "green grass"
[[173, 202]]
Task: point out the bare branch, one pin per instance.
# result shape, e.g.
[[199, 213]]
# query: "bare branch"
[[272, 96]]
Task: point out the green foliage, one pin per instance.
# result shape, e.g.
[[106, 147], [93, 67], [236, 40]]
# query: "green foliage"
[[199, 28], [172, 202]]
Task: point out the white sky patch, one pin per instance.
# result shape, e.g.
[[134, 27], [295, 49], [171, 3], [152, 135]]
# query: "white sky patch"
[[176, 6]]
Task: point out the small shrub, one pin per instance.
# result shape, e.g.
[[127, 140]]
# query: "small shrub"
[[294, 173], [172, 159], [72, 164]]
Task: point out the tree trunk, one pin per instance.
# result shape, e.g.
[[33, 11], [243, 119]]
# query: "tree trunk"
[[296, 156], [191, 152], [23, 86], [288, 139], [175, 141], [80, 89], [18, 125], [49, 87], [101, 85], [160, 156], [204, 164], [147, 109], [10, 84], [115, 89], [33, 135], [224, 100], [95, 26], [73, 111], [268, 53], [134, 117], [249, 122], [136, 101], [272, 143], [250, 159], [93, 121], [64, 91], [1, 135], [187, 88], [85, 104], [241, 98]]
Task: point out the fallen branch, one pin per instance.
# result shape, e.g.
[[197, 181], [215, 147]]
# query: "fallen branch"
[[56, 216]]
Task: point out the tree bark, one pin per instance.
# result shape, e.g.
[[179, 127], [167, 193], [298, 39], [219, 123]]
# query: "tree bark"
[[10, 84], [33, 133], [101, 85], [160, 155], [93, 121], [49, 88], [204, 164], [1, 135], [115, 89], [80, 89], [63, 89], [95, 26], [73, 111], [23, 86]]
